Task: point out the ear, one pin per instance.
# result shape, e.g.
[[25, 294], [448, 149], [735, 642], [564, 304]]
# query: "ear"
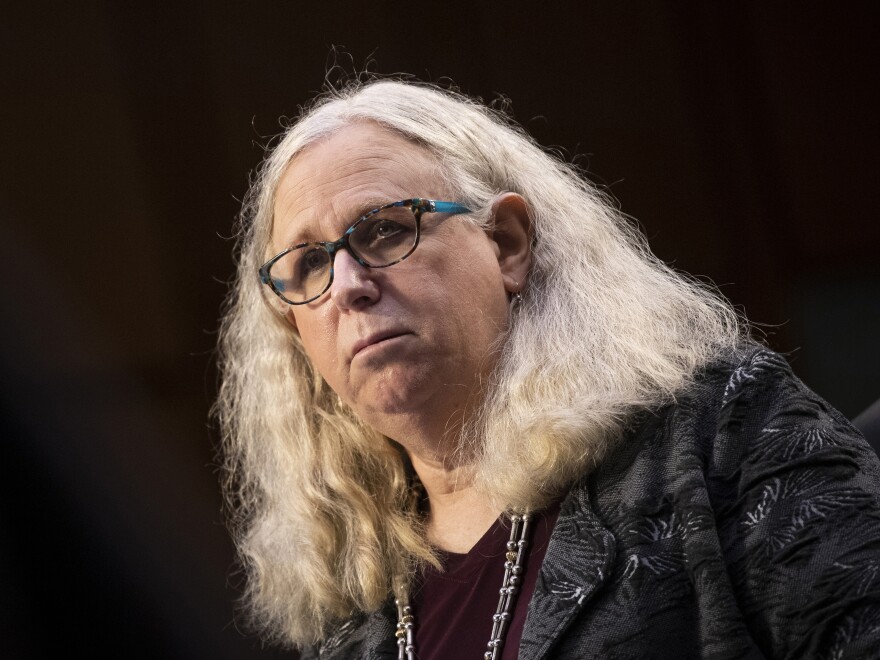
[[512, 234]]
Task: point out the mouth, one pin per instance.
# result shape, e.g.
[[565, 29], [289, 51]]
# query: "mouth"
[[375, 339]]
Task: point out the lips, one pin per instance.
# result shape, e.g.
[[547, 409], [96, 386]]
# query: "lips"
[[375, 338]]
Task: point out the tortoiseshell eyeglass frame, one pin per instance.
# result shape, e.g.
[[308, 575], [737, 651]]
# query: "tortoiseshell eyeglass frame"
[[417, 205]]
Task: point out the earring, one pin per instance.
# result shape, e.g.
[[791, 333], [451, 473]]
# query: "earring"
[[515, 297]]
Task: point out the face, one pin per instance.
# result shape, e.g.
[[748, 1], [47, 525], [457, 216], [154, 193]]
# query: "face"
[[406, 346]]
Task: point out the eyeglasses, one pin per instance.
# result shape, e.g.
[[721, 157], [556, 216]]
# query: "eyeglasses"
[[381, 238]]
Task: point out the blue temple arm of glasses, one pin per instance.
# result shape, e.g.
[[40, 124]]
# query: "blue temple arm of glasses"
[[450, 207]]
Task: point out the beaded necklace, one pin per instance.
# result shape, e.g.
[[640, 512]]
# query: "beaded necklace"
[[514, 567]]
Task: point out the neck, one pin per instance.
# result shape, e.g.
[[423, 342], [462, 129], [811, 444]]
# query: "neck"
[[459, 515]]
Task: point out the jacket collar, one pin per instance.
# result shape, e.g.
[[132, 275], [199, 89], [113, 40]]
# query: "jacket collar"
[[364, 636], [381, 641], [578, 561]]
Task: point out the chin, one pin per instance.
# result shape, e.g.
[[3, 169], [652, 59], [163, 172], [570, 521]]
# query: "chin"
[[394, 395], [394, 401]]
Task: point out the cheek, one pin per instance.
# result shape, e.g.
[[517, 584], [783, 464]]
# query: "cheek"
[[318, 343], [475, 301], [465, 262], [476, 280]]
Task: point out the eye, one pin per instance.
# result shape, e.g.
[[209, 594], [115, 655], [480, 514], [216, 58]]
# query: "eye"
[[384, 229], [314, 261], [385, 237], [384, 232]]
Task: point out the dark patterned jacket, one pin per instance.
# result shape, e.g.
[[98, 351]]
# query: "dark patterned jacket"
[[741, 522]]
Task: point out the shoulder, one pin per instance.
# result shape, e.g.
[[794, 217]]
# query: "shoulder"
[[757, 418], [748, 406], [765, 495], [747, 422], [368, 636], [796, 493]]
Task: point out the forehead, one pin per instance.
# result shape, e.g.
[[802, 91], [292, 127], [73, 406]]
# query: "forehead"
[[330, 183]]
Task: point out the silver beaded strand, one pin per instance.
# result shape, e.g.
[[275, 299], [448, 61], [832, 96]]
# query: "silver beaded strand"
[[405, 631], [514, 566], [513, 570]]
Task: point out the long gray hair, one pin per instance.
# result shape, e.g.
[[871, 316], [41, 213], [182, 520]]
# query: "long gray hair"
[[321, 505]]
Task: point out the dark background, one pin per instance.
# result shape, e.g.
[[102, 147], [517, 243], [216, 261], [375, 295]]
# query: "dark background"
[[743, 139]]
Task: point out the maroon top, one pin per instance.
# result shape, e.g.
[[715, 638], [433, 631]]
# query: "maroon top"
[[453, 610]]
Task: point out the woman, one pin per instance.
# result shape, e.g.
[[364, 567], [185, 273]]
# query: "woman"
[[459, 371]]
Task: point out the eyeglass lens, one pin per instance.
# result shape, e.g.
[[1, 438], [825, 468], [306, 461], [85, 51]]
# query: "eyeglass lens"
[[379, 240]]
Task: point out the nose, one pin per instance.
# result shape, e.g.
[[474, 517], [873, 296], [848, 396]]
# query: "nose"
[[353, 285]]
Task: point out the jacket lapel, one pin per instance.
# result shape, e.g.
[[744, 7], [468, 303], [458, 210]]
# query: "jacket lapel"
[[365, 637], [578, 560], [381, 642]]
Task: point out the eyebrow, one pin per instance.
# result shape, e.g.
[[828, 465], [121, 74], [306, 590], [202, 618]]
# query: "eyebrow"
[[364, 207], [368, 205]]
